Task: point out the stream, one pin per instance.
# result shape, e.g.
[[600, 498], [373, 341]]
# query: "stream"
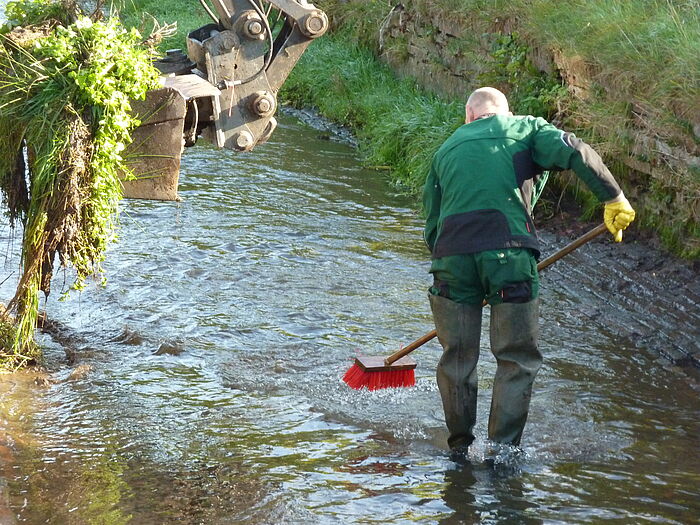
[[202, 382]]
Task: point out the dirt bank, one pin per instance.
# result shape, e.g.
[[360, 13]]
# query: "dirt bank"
[[651, 299]]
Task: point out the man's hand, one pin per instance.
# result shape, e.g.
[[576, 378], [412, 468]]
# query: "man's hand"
[[617, 216]]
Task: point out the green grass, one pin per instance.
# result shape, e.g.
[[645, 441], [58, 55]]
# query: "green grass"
[[145, 15], [398, 124], [656, 43]]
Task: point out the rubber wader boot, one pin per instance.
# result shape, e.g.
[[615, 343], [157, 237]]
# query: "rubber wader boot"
[[458, 329], [514, 331]]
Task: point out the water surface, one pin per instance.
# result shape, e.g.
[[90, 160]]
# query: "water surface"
[[202, 384]]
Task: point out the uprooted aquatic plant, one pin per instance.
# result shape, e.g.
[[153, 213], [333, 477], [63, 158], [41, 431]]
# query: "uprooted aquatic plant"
[[66, 81]]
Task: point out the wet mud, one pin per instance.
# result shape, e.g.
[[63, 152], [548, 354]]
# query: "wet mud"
[[644, 296]]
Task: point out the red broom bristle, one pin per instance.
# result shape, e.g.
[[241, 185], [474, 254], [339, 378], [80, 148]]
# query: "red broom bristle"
[[358, 378], [355, 377]]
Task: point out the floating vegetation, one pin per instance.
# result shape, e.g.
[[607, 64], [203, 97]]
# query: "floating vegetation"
[[66, 82]]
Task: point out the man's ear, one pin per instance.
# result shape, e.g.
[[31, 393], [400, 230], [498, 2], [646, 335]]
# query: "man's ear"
[[470, 115]]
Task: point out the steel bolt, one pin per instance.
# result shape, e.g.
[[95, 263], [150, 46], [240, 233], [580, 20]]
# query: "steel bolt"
[[255, 27], [243, 140], [315, 24], [263, 104]]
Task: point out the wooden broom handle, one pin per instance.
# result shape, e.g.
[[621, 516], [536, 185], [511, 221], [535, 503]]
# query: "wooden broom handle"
[[576, 243]]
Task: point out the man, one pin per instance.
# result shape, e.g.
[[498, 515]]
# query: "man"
[[478, 200]]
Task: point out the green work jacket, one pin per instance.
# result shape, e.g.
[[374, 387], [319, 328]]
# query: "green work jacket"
[[486, 177]]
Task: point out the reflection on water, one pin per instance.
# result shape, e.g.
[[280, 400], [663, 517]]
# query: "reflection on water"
[[210, 386]]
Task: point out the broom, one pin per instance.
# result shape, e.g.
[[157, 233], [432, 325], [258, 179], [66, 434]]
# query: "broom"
[[398, 370]]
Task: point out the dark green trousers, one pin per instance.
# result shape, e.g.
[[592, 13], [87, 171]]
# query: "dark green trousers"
[[513, 337], [497, 276]]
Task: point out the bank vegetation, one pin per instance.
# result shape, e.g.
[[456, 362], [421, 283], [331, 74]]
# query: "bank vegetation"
[[66, 84]]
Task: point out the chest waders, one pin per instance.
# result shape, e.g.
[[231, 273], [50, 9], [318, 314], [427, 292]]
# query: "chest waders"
[[478, 197], [513, 338]]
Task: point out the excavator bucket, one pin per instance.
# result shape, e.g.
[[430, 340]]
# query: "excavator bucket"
[[224, 90], [167, 124]]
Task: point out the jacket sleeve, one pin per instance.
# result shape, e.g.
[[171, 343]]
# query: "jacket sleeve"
[[432, 196], [557, 149]]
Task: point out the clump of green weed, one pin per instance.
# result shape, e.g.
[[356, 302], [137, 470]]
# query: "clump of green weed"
[[65, 91]]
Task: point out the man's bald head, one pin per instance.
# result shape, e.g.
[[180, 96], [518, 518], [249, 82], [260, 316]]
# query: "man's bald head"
[[484, 101]]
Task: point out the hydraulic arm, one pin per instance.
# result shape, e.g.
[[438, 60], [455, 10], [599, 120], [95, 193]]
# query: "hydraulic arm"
[[246, 60]]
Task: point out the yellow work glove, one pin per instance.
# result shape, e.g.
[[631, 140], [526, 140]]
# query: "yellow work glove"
[[617, 216]]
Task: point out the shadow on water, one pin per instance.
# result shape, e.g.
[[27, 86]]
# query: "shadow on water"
[[202, 383]]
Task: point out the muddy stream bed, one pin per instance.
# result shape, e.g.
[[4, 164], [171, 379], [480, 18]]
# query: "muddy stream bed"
[[202, 384]]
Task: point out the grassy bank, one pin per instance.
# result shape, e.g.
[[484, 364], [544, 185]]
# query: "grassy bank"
[[630, 72], [644, 48], [399, 125]]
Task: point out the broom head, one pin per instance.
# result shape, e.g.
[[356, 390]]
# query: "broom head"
[[375, 374]]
